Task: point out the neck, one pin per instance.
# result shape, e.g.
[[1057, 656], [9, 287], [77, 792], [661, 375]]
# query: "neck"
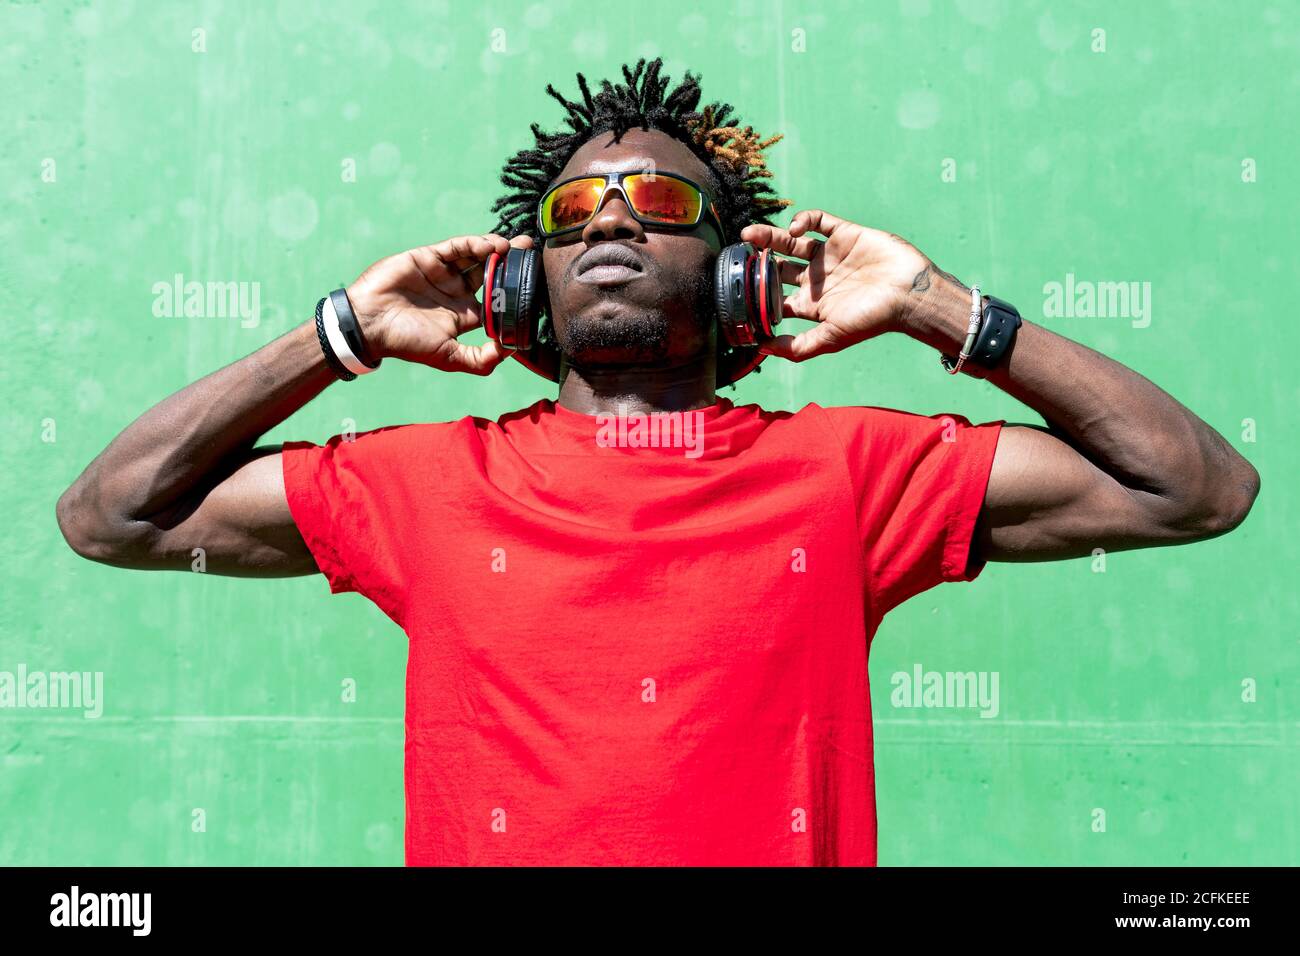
[[604, 391]]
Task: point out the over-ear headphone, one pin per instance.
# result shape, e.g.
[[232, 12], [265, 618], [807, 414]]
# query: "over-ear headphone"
[[746, 294]]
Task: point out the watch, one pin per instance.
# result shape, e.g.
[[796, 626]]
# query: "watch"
[[997, 332]]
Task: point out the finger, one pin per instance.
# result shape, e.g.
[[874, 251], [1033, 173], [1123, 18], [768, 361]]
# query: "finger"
[[473, 248], [792, 273], [469, 318], [778, 345], [474, 276], [818, 340], [499, 245], [798, 306], [474, 272], [469, 267], [472, 269], [779, 240], [468, 249], [814, 220], [437, 263], [479, 359]]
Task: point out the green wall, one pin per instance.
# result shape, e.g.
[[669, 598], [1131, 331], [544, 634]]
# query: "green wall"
[[129, 158]]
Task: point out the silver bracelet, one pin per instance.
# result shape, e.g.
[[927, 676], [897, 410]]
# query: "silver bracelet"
[[972, 333]]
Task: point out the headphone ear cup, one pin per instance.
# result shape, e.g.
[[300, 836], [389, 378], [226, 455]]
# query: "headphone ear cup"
[[532, 297], [491, 285], [747, 293], [514, 297], [731, 292], [767, 295]]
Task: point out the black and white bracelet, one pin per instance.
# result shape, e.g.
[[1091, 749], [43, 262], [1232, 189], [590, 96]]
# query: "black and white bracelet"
[[340, 337]]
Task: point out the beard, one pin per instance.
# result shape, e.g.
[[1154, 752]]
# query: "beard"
[[637, 334]]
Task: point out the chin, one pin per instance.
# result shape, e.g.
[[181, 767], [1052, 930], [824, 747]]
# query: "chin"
[[621, 338]]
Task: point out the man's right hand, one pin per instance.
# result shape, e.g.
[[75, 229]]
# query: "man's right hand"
[[414, 305]]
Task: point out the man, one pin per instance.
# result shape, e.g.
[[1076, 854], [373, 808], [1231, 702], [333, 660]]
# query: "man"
[[623, 654]]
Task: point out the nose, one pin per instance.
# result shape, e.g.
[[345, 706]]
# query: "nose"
[[613, 220]]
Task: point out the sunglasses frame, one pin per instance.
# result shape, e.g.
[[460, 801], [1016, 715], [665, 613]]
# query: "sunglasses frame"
[[615, 181]]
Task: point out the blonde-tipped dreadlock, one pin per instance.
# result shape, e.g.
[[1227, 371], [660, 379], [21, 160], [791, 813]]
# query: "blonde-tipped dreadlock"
[[744, 155], [733, 155]]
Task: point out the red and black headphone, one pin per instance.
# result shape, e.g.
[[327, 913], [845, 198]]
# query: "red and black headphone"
[[747, 295]]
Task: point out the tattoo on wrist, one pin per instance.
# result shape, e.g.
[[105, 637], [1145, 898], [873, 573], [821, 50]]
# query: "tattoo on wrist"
[[921, 283], [915, 310]]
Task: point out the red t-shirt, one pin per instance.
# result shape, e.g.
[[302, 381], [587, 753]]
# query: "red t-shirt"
[[642, 655]]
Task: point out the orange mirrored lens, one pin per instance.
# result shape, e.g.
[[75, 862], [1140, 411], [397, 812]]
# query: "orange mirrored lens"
[[571, 204], [653, 198], [663, 199]]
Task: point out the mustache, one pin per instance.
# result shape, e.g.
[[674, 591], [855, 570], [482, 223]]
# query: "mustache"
[[694, 286], [641, 329]]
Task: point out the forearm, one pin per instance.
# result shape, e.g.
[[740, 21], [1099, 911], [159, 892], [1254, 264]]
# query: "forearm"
[[1120, 421], [186, 441]]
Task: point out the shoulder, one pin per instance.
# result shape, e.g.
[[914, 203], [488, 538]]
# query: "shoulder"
[[387, 438], [376, 441], [883, 417], [889, 425]]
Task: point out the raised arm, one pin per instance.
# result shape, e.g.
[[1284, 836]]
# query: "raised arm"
[[186, 474], [1121, 464]]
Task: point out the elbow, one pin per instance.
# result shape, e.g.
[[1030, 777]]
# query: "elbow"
[[1245, 489], [1225, 506], [75, 526], [87, 532]]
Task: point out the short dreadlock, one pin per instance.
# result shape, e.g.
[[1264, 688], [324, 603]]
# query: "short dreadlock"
[[734, 156]]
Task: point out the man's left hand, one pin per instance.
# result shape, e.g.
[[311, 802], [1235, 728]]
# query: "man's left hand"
[[855, 284]]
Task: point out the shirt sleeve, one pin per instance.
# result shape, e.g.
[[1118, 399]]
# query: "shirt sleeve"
[[348, 498], [918, 486]]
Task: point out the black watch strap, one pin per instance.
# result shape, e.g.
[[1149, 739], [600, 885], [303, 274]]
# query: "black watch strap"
[[997, 333]]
